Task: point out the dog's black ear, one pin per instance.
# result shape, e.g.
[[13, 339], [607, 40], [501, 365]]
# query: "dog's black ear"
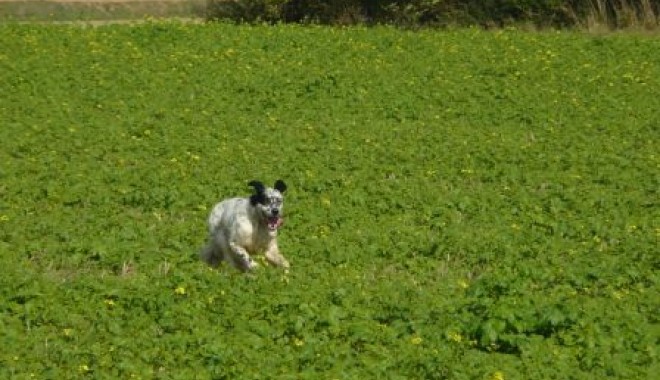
[[258, 186], [280, 186], [260, 190]]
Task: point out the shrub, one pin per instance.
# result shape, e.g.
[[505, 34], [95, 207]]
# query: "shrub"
[[245, 10]]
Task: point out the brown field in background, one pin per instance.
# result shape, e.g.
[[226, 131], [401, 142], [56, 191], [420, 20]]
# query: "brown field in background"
[[89, 10]]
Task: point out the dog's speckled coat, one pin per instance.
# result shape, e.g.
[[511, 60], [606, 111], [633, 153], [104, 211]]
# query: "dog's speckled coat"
[[240, 227]]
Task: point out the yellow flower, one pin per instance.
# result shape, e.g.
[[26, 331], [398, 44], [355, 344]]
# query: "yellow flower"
[[298, 342], [416, 340], [456, 337], [323, 230], [497, 375], [180, 290]]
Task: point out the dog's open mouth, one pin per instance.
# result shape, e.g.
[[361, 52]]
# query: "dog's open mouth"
[[274, 222]]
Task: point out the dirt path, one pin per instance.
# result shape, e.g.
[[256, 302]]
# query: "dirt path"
[[37, 2], [87, 10]]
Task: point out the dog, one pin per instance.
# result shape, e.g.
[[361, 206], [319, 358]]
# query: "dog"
[[240, 227]]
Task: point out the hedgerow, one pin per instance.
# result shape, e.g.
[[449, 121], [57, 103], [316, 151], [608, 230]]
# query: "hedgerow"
[[562, 13]]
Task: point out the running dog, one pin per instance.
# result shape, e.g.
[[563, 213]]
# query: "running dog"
[[239, 227]]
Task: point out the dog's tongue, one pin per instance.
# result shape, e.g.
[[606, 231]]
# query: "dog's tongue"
[[274, 222]]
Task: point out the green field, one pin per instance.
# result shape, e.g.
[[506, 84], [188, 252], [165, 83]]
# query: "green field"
[[462, 204]]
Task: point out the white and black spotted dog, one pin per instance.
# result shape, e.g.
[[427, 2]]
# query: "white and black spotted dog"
[[239, 227]]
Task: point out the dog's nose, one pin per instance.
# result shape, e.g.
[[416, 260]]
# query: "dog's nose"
[[275, 211]]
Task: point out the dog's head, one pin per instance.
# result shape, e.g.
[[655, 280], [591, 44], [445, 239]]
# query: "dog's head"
[[269, 202]]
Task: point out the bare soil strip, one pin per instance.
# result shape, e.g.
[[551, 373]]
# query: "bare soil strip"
[[88, 10]]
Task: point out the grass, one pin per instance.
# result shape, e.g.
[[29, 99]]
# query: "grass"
[[462, 204]]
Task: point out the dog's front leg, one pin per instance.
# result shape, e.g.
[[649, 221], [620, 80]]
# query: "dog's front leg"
[[274, 256], [242, 259]]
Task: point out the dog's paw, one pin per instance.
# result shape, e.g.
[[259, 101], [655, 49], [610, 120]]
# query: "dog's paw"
[[252, 265]]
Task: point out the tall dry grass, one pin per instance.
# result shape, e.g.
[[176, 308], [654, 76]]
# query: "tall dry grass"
[[607, 15]]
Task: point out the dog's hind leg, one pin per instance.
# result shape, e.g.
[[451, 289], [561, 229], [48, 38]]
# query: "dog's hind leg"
[[215, 250], [211, 254]]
